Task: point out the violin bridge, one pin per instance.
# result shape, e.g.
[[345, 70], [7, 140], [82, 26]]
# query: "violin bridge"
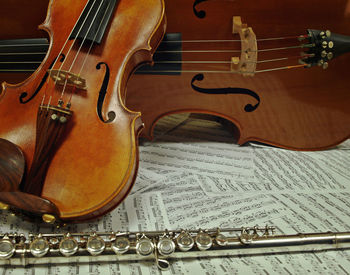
[[246, 63], [67, 78]]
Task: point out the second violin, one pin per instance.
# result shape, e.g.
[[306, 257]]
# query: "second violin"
[[272, 69]]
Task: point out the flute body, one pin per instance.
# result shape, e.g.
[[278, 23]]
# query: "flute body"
[[160, 246]]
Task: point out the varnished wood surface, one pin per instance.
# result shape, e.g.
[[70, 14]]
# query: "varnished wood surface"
[[94, 167], [12, 165], [20, 18], [301, 109]]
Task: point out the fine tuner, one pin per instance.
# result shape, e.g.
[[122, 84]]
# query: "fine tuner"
[[17, 250]]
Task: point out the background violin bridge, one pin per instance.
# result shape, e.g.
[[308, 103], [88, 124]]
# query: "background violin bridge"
[[246, 63]]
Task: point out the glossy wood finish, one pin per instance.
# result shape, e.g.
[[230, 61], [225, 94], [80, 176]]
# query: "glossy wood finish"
[[301, 109], [12, 166], [95, 165]]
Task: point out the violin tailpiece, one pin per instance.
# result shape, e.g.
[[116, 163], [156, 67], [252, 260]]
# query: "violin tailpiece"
[[51, 124]]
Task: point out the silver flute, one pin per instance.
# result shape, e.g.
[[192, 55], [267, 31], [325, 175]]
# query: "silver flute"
[[160, 246]]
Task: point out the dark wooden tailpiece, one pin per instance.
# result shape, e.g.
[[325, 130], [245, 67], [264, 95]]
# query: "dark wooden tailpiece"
[[51, 124]]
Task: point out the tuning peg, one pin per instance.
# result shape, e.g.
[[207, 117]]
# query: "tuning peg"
[[320, 62], [330, 55]]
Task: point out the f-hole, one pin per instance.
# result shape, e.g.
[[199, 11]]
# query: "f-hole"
[[221, 91], [201, 13], [101, 97]]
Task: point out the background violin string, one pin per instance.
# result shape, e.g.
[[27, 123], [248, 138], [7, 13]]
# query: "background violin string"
[[194, 176]]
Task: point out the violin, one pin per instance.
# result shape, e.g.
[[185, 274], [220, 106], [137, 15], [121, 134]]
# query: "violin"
[[272, 69], [68, 120]]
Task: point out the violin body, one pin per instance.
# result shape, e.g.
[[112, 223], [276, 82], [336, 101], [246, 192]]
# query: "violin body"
[[92, 163], [299, 109]]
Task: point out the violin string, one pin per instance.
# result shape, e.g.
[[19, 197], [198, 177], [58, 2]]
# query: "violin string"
[[58, 57], [229, 62], [179, 62], [72, 44], [80, 47], [17, 70], [299, 37], [235, 51], [32, 53], [90, 48], [200, 51], [183, 41], [23, 45], [167, 62], [229, 72], [20, 62], [235, 40], [92, 43], [189, 51], [177, 41], [60, 53]]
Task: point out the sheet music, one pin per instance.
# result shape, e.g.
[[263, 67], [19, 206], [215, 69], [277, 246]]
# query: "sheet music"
[[194, 176]]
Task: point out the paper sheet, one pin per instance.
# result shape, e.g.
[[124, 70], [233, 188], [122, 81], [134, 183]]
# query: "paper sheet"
[[194, 176]]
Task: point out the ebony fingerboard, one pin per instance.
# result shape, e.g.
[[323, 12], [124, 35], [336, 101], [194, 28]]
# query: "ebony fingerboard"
[[25, 55], [167, 59], [93, 21], [22, 55]]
